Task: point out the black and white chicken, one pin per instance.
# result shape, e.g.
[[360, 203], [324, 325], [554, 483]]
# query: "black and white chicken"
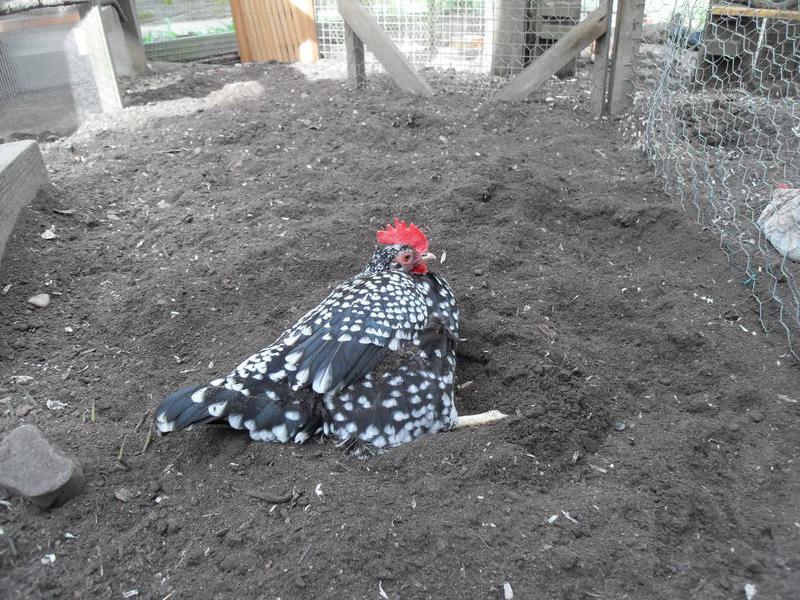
[[372, 365]]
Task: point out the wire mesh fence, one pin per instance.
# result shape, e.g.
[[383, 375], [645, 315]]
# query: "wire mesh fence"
[[46, 80], [723, 130], [188, 30], [464, 45]]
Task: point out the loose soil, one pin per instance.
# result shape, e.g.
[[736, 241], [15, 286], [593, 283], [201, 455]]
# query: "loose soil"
[[652, 444]]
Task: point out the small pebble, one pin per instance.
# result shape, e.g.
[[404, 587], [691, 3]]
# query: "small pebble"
[[619, 425], [756, 416], [478, 271], [123, 495], [40, 300]]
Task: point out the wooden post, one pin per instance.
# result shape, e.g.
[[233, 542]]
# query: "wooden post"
[[356, 67], [563, 51], [94, 36], [627, 37], [366, 28], [508, 45], [22, 173], [600, 68], [133, 35]]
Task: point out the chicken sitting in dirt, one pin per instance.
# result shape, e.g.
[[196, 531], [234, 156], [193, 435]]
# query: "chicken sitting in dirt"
[[373, 365], [780, 221]]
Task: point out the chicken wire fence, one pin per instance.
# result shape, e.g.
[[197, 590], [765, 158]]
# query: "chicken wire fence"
[[467, 45], [188, 30], [723, 130]]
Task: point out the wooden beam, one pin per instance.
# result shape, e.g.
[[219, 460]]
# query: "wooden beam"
[[9, 25], [356, 67], [627, 38], [22, 173], [388, 54], [600, 69], [94, 36], [133, 35], [756, 13], [563, 51]]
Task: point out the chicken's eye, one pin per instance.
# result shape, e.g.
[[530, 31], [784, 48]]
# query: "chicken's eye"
[[406, 257]]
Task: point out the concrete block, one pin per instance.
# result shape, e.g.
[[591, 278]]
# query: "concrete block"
[[32, 467], [22, 173]]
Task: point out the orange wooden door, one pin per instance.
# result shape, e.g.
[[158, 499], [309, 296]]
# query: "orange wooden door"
[[281, 30]]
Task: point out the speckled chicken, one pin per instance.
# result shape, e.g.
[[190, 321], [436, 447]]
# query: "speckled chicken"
[[372, 365]]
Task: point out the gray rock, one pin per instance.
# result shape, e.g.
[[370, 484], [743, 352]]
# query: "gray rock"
[[31, 467], [40, 300]]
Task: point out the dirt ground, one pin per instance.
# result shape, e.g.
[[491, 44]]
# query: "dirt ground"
[[652, 445]]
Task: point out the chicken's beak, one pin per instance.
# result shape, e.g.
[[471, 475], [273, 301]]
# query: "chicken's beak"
[[427, 257]]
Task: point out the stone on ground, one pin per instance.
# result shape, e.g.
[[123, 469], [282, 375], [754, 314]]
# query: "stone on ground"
[[32, 467]]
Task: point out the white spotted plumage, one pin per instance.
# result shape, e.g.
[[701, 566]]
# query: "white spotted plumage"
[[359, 366]]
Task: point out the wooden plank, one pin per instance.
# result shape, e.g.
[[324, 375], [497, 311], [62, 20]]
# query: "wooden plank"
[[245, 53], [8, 25], [274, 31], [356, 66], [388, 54], [283, 17], [293, 17], [281, 30], [627, 38], [755, 13], [264, 48], [105, 77], [308, 50], [22, 173], [271, 31], [600, 69], [133, 35], [563, 51]]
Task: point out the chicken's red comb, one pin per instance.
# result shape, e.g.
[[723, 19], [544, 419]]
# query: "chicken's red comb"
[[400, 233]]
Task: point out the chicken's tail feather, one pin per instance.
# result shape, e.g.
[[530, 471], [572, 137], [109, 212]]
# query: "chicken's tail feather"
[[270, 415]]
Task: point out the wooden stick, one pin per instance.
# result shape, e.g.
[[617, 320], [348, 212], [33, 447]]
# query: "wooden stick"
[[388, 54], [479, 419], [756, 13], [563, 51]]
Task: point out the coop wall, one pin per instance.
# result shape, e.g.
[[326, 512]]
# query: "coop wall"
[[46, 79]]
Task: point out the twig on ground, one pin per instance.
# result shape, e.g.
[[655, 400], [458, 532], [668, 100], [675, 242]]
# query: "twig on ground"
[[282, 499], [148, 439]]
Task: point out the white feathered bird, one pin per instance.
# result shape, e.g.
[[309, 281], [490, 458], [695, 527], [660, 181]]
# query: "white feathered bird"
[[780, 221]]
